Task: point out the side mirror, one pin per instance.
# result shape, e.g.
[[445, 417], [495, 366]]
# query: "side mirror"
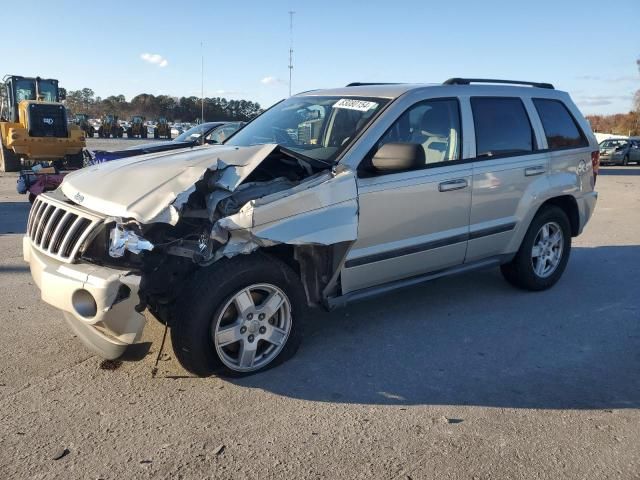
[[399, 156]]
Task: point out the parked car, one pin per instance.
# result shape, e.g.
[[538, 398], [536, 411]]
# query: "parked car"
[[207, 133], [329, 197], [620, 151]]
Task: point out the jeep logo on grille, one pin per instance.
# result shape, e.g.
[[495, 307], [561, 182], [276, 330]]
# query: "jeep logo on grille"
[[47, 120], [78, 197]]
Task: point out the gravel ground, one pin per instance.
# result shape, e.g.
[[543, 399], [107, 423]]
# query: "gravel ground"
[[462, 378]]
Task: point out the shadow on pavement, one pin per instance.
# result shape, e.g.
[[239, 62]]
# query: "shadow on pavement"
[[14, 269], [475, 340], [619, 171], [13, 217]]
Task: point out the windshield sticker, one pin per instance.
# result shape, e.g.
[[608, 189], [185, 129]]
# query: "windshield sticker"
[[351, 104]]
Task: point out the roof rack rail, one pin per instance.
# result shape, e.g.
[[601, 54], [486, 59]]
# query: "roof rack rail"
[[467, 81], [362, 84]]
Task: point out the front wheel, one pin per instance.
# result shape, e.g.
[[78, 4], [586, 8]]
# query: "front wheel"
[[544, 252], [238, 317]]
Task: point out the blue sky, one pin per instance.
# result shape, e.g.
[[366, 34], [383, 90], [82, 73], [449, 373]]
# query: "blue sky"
[[586, 47]]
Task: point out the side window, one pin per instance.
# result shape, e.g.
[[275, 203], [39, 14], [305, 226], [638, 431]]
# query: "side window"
[[502, 126], [220, 134], [560, 128], [434, 124]]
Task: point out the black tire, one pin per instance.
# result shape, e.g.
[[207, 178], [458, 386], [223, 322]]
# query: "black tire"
[[207, 294], [520, 272]]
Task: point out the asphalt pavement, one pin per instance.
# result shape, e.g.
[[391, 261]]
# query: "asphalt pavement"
[[460, 378]]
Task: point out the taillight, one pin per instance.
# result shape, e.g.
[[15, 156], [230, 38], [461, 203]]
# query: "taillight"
[[595, 164]]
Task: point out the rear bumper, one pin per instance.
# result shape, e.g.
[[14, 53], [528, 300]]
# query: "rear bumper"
[[109, 328], [586, 206]]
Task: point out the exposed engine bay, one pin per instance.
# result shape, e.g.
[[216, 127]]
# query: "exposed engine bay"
[[223, 215]]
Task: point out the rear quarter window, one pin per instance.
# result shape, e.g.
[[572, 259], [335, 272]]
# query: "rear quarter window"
[[502, 126], [560, 127]]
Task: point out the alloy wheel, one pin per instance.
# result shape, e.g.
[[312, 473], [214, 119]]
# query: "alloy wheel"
[[253, 327], [548, 247]]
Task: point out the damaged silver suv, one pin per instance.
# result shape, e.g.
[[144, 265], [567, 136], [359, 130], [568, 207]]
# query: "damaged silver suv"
[[328, 197]]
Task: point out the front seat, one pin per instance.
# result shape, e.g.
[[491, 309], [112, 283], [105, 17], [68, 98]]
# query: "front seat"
[[437, 135]]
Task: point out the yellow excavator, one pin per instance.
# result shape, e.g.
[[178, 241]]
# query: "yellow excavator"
[[82, 120], [162, 130], [138, 128], [110, 127], [33, 125]]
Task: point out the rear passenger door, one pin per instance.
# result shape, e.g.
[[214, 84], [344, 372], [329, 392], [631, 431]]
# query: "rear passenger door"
[[508, 162], [634, 152], [413, 222]]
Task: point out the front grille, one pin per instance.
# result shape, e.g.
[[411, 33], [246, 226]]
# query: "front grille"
[[47, 120], [59, 229]]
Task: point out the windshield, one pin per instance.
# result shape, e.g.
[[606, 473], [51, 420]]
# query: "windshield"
[[48, 90], [191, 134], [613, 143], [25, 90], [317, 127]]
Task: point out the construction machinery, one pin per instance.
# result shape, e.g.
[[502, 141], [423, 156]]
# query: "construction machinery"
[[137, 128], [34, 127], [82, 120], [110, 127], [162, 130]]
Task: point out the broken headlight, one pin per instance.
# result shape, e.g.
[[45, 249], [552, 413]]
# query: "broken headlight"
[[122, 239]]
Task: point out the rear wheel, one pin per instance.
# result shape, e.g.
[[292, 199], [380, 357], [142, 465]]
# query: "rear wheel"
[[239, 316], [544, 252], [9, 161]]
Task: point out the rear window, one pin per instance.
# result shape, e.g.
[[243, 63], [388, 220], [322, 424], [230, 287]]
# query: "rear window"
[[560, 127], [502, 127]]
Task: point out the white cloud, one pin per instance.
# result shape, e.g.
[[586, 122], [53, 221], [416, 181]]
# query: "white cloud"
[[272, 81], [154, 59]]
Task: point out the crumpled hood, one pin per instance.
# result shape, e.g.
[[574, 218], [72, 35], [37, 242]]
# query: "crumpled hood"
[[146, 187]]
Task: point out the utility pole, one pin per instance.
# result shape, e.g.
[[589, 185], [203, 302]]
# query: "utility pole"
[[291, 13], [201, 83]]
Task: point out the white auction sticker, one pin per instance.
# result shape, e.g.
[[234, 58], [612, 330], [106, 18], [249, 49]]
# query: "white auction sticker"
[[351, 104]]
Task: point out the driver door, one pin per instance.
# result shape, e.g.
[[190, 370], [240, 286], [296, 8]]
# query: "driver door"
[[413, 222]]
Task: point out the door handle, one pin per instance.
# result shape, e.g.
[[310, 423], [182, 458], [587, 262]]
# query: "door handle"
[[450, 185], [537, 170]]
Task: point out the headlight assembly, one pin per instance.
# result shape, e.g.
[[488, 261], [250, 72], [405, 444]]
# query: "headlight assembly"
[[121, 240]]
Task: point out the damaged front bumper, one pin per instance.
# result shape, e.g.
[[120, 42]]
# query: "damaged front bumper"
[[98, 303]]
